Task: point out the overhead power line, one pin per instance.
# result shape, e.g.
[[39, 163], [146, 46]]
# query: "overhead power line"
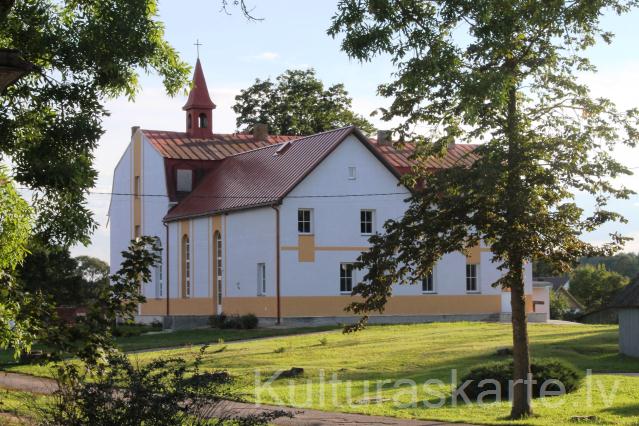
[[131, 194]]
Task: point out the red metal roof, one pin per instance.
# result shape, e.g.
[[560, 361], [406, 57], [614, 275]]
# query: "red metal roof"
[[199, 94], [179, 146], [262, 176], [400, 157]]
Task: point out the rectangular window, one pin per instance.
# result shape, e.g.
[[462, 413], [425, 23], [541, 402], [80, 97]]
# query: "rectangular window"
[[471, 277], [184, 179], [428, 284], [136, 187], [187, 273], [158, 277], [304, 221], [138, 231], [367, 222], [261, 279], [352, 173], [346, 277]]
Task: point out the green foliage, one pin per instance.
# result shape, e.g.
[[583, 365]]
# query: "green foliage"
[[595, 286], [165, 392], [240, 322], [502, 372], [53, 273], [504, 74], [51, 120], [297, 103], [559, 307], [90, 337], [130, 330], [16, 329], [626, 264]]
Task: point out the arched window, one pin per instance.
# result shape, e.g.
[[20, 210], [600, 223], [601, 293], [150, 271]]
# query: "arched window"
[[186, 266], [219, 266], [189, 123], [159, 279], [202, 121]]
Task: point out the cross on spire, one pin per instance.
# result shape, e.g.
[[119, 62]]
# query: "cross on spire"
[[197, 45]]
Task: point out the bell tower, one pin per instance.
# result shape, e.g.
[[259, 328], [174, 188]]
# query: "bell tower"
[[199, 107]]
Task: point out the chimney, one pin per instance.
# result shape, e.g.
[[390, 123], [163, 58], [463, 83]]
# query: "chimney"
[[260, 131], [134, 129], [384, 137]]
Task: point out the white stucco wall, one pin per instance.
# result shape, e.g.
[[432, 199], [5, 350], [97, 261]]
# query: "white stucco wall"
[[120, 215], [250, 239]]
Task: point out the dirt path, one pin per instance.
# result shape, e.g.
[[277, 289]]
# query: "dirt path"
[[26, 383]]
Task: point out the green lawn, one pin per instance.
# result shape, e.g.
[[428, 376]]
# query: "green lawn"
[[419, 353], [188, 338]]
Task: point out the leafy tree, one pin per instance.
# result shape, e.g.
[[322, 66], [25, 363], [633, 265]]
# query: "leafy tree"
[[504, 73], [16, 329], [52, 272], [626, 264], [51, 120], [595, 286], [558, 305], [90, 337], [296, 104], [94, 272]]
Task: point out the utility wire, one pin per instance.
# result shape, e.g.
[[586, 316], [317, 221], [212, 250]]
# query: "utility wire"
[[130, 194]]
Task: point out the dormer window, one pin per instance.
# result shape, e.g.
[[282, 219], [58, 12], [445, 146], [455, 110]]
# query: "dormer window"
[[202, 122], [184, 180]]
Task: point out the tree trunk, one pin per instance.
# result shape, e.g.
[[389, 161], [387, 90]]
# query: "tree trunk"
[[521, 355], [515, 193]]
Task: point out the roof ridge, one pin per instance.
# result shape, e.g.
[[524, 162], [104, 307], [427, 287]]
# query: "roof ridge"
[[291, 141]]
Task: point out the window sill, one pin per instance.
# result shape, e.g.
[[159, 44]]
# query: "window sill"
[[473, 292], [345, 293], [305, 233], [429, 292]]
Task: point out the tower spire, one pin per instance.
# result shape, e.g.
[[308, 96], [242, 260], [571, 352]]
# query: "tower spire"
[[199, 107]]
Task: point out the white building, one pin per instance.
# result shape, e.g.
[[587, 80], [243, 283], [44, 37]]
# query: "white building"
[[270, 225]]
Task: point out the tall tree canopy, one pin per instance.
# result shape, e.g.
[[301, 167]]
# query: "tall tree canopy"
[[505, 74], [595, 286], [51, 120], [297, 103]]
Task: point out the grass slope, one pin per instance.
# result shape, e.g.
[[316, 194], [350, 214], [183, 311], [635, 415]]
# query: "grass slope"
[[421, 352]]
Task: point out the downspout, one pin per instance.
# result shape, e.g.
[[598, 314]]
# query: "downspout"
[[167, 268], [277, 264]]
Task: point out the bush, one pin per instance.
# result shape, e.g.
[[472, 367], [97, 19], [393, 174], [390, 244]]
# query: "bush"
[[244, 322], [502, 372], [165, 392], [249, 321], [129, 330]]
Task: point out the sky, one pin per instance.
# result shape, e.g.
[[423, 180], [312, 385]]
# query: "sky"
[[292, 34]]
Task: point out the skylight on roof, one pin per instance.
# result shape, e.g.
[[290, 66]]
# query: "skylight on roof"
[[282, 149]]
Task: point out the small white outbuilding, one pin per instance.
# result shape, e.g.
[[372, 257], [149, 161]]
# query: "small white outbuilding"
[[627, 304]]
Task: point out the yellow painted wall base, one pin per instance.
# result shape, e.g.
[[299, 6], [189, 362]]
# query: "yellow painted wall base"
[[332, 306], [192, 306]]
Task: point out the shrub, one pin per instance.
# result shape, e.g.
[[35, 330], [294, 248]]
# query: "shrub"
[[280, 350], [246, 322], [502, 372], [249, 321], [323, 341], [165, 392], [217, 321]]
